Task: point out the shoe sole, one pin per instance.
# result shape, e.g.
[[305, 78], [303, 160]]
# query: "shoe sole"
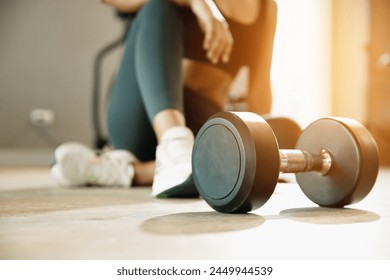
[[187, 189]]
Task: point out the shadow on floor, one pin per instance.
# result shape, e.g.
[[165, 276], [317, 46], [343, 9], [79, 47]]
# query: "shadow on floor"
[[329, 216], [214, 222], [201, 223]]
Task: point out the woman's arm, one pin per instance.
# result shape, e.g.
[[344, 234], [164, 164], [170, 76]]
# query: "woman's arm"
[[242, 11], [218, 40]]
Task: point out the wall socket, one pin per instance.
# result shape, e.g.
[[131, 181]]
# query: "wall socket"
[[42, 117]]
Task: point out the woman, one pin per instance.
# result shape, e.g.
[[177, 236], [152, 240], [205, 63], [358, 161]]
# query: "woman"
[[146, 107]]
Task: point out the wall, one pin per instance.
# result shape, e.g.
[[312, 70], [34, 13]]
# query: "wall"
[[301, 69], [47, 49], [351, 39]]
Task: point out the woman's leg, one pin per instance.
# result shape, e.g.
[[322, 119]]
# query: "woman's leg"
[[147, 97], [128, 124], [158, 56], [158, 64], [148, 87]]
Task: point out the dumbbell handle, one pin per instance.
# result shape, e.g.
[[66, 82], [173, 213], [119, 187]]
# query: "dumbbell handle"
[[297, 161]]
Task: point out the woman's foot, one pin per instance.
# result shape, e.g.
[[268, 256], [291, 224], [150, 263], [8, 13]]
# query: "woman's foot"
[[77, 164], [172, 176]]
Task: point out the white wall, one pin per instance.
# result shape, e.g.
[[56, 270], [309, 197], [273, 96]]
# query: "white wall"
[[301, 68]]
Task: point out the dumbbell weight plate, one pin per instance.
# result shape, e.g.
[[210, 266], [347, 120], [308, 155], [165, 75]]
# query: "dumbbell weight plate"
[[355, 162], [286, 130], [235, 162]]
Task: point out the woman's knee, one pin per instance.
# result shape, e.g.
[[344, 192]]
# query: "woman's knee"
[[159, 11]]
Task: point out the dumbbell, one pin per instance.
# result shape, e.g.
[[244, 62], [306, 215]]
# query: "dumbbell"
[[236, 162]]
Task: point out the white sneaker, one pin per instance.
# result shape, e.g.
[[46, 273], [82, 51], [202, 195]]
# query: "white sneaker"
[[173, 172], [77, 164]]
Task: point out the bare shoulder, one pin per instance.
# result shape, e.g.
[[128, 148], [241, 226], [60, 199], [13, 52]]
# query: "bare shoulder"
[[243, 11]]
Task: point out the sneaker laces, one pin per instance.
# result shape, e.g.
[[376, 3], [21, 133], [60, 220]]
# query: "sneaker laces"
[[179, 149], [107, 171]]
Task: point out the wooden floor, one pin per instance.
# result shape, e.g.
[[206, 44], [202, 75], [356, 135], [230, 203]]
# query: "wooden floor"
[[39, 220]]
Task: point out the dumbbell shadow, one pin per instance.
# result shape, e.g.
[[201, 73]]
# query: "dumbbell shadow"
[[329, 216], [201, 223], [194, 223]]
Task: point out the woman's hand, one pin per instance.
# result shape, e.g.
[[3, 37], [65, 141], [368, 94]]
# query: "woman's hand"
[[218, 41]]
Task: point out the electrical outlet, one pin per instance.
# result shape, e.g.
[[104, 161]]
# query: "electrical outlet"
[[42, 117]]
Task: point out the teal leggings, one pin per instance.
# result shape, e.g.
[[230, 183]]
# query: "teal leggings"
[[150, 75]]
